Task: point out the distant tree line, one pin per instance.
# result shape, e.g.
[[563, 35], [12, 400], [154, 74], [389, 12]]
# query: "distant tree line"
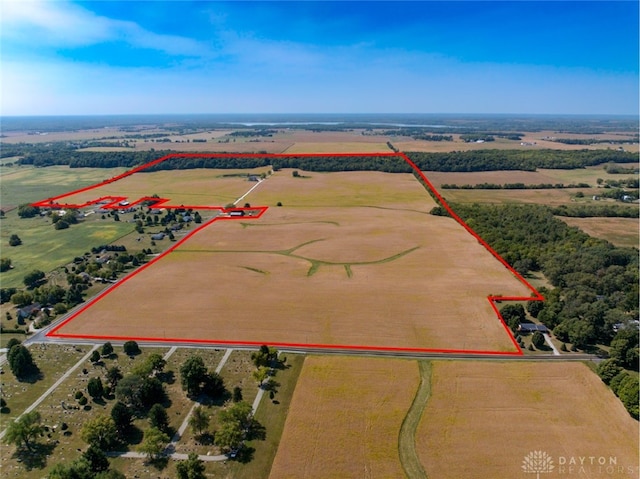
[[528, 160], [593, 141], [481, 160], [512, 186]]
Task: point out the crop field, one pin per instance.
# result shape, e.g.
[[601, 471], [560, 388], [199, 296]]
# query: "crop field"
[[483, 419], [201, 187], [618, 231], [381, 273], [345, 418]]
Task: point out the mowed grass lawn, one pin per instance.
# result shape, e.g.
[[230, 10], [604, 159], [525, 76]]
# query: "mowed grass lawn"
[[484, 418], [45, 248], [27, 184], [345, 418]]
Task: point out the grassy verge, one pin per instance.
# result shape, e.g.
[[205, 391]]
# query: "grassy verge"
[[407, 438], [272, 415]]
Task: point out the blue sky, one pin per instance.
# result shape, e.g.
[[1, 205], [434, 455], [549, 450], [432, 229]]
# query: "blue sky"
[[114, 57]]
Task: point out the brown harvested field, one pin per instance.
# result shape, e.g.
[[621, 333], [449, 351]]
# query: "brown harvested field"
[[619, 231], [383, 273], [201, 187], [542, 197], [345, 418], [483, 418], [338, 147]]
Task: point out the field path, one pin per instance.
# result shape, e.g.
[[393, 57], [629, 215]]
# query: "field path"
[[185, 423], [46, 394], [407, 438]]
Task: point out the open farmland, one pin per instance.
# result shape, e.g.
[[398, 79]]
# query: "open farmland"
[[24, 184], [345, 418], [201, 187], [618, 231], [484, 418], [381, 273]]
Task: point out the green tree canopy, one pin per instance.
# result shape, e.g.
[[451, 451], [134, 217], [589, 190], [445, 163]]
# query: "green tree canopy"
[[23, 431], [153, 443], [199, 420], [192, 468], [100, 432], [192, 374]]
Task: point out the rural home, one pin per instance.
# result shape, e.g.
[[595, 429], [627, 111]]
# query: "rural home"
[[27, 311], [532, 328]]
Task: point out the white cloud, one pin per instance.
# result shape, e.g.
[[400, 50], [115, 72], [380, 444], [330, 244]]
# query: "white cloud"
[[65, 24]]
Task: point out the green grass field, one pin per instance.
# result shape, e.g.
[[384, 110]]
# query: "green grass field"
[[45, 248], [271, 414], [25, 184]]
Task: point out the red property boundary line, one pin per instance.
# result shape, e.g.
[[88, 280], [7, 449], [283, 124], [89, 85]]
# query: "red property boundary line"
[[113, 203]]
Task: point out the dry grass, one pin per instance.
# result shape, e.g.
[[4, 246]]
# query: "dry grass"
[[484, 418], [551, 197], [619, 231], [201, 187], [323, 275], [497, 177], [345, 419], [338, 147]]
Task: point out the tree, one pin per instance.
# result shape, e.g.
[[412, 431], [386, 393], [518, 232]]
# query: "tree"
[[237, 394], [153, 443], [538, 340], [264, 356], [121, 416], [33, 279], [140, 392], [107, 349], [192, 374], [95, 388], [192, 468], [21, 362], [513, 315], [628, 393], [5, 264], [199, 420], [229, 436], [100, 432], [213, 385], [113, 375], [78, 469], [608, 369], [158, 417], [23, 431], [131, 348], [96, 459], [11, 343], [153, 364], [95, 357], [260, 375], [28, 211], [14, 240]]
